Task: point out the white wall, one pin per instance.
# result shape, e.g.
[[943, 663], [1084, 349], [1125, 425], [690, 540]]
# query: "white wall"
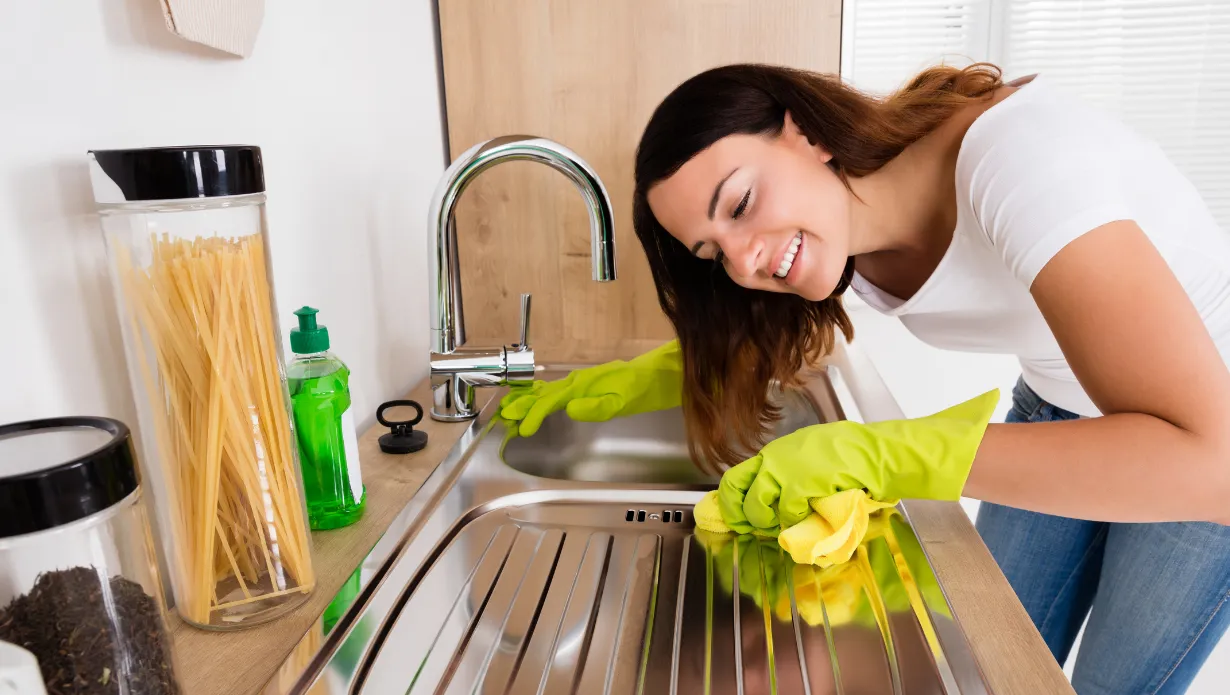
[[343, 99]]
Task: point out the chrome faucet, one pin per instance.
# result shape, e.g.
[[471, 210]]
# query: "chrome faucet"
[[457, 370]]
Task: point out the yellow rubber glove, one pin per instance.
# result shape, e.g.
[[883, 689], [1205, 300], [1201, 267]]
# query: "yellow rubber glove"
[[927, 457], [652, 381], [828, 536]]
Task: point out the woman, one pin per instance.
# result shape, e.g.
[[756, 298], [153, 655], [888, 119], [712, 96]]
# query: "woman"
[[988, 217]]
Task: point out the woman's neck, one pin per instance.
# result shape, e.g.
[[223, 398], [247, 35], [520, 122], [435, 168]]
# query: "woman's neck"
[[910, 204], [911, 201], [904, 223]]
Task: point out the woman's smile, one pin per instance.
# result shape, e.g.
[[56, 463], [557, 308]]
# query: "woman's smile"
[[787, 261]]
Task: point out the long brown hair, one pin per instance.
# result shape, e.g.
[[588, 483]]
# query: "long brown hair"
[[737, 342]]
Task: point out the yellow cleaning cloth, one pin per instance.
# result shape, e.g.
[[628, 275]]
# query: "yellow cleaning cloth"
[[828, 536], [707, 514], [834, 529]]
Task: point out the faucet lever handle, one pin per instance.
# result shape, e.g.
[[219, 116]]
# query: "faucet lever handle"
[[524, 343]]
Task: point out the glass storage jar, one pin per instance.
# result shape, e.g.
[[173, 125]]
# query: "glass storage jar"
[[186, 239], [79, 585]]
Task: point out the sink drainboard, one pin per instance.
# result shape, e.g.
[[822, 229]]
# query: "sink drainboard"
[[555, 593]]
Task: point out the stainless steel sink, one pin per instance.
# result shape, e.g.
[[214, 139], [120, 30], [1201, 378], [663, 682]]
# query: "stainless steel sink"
[[645, 448], [568, 562]]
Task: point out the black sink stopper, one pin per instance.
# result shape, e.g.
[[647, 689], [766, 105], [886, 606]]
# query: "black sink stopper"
[[402, 439]]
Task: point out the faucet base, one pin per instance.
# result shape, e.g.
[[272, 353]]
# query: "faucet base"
[[452, 399], [456, 375], [445, 417]]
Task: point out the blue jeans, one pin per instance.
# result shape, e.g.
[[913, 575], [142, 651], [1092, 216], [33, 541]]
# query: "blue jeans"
[[1155, 594]]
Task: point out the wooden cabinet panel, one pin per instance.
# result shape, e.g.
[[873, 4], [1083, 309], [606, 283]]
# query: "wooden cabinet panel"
[[588, 74]]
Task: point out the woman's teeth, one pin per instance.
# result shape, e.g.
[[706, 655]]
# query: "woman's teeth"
[[788, 261]]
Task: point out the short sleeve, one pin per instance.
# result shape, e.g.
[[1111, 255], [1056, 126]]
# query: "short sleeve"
[[1038, 177]]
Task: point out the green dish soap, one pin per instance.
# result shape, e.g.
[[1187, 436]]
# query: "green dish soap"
[[324, 424]]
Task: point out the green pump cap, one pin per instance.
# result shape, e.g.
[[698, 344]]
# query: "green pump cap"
[[308, 337]]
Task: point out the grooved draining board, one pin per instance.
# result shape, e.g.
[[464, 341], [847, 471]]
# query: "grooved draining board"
[[578, 597]]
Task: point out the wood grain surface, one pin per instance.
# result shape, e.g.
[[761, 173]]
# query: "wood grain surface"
[[1009, 650], [588, 75]]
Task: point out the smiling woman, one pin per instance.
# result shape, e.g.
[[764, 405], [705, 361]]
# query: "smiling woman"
[[1006, 218], [987, 216], [750, 167]]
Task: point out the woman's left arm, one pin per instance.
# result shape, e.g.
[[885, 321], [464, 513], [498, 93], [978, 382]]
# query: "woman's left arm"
[[1161, 452]]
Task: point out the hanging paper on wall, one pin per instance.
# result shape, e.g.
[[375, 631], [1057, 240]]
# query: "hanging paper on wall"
[[227, 25]]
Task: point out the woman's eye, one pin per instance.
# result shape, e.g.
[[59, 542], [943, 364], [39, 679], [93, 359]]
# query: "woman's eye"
[[742, 206]]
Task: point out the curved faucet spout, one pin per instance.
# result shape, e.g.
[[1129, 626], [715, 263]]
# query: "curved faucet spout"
[[456, 372], [447, 315]]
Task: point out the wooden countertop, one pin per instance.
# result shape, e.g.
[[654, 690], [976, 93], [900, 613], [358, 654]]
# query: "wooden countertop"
[[1009, 651]]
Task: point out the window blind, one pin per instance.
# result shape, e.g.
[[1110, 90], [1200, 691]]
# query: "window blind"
[[1163, 66], [885, 42]]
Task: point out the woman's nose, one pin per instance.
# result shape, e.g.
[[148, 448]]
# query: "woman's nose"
[[743, 256]]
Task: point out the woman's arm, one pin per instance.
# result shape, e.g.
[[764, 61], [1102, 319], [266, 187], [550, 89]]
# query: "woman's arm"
[[1139, 348]]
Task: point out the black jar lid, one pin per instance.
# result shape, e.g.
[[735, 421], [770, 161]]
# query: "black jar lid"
[[59, 470], [176, 173]]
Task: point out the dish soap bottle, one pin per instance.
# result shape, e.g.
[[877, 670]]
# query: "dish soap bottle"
[[319, 386]]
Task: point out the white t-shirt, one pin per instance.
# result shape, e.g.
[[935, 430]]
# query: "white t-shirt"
[[1034, 172]]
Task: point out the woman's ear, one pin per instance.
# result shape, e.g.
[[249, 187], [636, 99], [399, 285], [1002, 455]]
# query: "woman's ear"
[[795, 137]]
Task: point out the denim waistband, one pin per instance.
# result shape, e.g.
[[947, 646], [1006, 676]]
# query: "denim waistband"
[[1030, 404]]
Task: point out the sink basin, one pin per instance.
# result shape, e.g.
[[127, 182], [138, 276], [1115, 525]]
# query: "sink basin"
[[569, 562], [646, 448]]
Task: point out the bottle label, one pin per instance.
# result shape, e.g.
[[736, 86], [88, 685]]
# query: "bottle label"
[[351, 443]]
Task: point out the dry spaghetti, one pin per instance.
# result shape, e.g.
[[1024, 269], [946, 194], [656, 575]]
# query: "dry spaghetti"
[[205, 347]]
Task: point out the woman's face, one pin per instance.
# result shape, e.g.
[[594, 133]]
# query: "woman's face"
[[767, 207]]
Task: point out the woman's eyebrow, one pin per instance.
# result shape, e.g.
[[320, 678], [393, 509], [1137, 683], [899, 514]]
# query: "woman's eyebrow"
[[717, 192]]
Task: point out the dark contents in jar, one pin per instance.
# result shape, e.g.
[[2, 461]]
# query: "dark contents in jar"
[[64, 622]]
